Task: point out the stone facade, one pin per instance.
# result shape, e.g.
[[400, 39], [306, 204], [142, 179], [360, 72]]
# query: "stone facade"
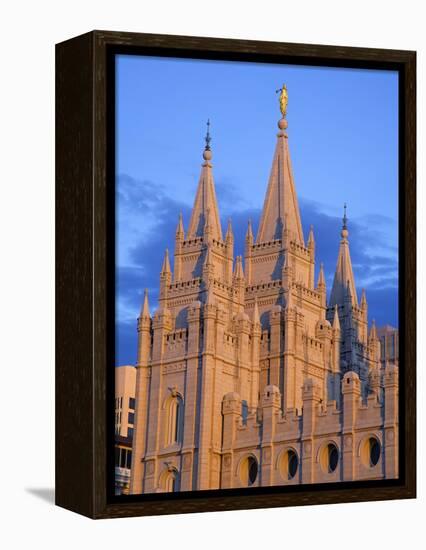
[[246, 375]]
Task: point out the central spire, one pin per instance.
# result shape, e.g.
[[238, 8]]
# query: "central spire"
[[205, 207], [281, 206]]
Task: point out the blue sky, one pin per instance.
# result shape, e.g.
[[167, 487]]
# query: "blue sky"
[[343, 137]]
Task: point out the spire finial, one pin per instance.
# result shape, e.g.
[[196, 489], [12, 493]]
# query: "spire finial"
[[208, 138], [344, 232], [207, 154], [283, 100]]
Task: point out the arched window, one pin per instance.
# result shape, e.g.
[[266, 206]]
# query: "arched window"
[[169, 481], [174, 420]]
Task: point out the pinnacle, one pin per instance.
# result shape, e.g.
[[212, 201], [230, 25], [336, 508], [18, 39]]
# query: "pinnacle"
[[145, 305], [166, 263]]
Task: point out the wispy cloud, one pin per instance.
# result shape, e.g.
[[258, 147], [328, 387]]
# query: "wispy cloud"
[[147, 222]]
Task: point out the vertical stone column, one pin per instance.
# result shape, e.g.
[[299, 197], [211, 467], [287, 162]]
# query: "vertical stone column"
[[391, 421], [243, 332], [271, 403], [191, 414], [351, 390], [311, 395], [248, 254], [206, 397], [161, 326], [142, 399], [180, 235], [255, 363], [275, 376], [231, 410], [221, 385], [289, 398]]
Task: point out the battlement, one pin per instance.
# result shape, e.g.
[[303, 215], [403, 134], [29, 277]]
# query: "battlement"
[[349, 428], [260, 248]]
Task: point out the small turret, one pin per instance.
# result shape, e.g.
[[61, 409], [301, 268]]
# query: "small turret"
[[363, 300], [165, 269], [229, 238], [145, 306], [373, 332], [208, 267], [336, 322], [180, 233], [256, 316], [238, 273], [249, 233], [311, 239], [321, 287]]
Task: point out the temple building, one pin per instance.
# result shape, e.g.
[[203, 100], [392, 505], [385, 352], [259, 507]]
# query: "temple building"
[[246, 374]]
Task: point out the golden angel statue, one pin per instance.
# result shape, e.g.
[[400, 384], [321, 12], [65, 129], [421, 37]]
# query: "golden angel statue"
[[283, 99]]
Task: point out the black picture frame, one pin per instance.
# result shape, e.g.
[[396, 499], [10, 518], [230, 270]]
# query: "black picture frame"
[[85, 266]]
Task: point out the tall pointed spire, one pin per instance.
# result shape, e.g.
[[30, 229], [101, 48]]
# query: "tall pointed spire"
[[281, 198], [344, 282], [205, 199]]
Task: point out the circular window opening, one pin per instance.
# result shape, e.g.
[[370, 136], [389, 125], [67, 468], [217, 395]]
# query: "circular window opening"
[[374, 451], [370, 452], [329, 458], [248, 471], [289, 464]]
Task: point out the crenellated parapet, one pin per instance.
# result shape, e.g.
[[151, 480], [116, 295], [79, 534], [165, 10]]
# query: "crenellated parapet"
[[352, 436]]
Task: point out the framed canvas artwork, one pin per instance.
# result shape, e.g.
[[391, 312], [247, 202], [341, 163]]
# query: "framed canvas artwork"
[[235, 274]]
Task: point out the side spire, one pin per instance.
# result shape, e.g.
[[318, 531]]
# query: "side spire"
[[205, 199], [229, 233], [281, 198], [249, 234], [321, 278], [180, 233], [344, 282], [239, 273], [336, 322], [256, 316], [166, 263], [145, 305]]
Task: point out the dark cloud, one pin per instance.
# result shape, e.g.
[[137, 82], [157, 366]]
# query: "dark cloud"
[[376, 271]]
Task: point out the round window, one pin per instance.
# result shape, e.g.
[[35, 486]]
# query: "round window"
[[329, 458], [248, 471], [370, 452], [374, 451], [289, 464]]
